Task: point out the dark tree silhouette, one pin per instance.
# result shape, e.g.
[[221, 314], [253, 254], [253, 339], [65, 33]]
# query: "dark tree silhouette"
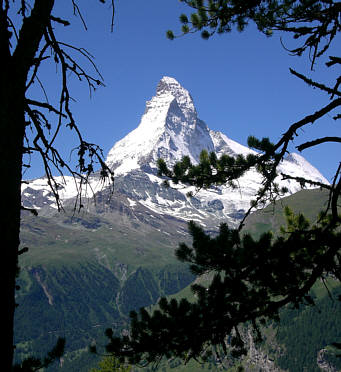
[[252, 278], [28, 41]]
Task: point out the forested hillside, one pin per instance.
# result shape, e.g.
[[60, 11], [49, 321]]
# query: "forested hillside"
[[82, 277], [85, 272]]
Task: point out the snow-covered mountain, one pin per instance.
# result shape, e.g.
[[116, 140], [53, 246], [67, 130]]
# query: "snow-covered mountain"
[[170, 129]]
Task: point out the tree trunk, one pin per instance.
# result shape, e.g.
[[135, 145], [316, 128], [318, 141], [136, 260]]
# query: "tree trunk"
[[12, 126], [13, 75]]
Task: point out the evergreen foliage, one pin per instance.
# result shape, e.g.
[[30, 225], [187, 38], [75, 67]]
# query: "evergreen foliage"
[[254, 278], [315, 21]]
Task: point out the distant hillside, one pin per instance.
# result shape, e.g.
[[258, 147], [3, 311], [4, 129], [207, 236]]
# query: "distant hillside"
[[308, 202], [85, 272], [293, 344]]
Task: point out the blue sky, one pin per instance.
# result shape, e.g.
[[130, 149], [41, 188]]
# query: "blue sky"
[[240, 82]]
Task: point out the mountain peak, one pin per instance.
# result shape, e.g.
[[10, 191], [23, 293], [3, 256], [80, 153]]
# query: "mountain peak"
[[169, 129], [170, 86]]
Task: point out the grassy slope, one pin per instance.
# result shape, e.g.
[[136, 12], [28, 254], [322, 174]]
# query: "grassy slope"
[[57, 243], [308, 202]]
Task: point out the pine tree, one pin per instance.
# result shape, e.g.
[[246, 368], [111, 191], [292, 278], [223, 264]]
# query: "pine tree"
[[253, 278]]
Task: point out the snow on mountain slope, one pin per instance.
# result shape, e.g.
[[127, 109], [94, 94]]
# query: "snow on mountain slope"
[[224, 145], [37, 193], [295, 165], [170, 129]]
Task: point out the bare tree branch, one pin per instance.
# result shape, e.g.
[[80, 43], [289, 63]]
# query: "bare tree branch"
[[318, 141], [331, 91]]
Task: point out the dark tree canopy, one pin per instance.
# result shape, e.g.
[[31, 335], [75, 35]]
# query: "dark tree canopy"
[[252, 278], [316, 22], [28, 40]]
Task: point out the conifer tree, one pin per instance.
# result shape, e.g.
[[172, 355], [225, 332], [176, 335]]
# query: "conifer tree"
[[252, 278]]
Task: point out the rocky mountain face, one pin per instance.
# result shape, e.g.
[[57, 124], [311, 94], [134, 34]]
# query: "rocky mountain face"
[[170, 129]]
